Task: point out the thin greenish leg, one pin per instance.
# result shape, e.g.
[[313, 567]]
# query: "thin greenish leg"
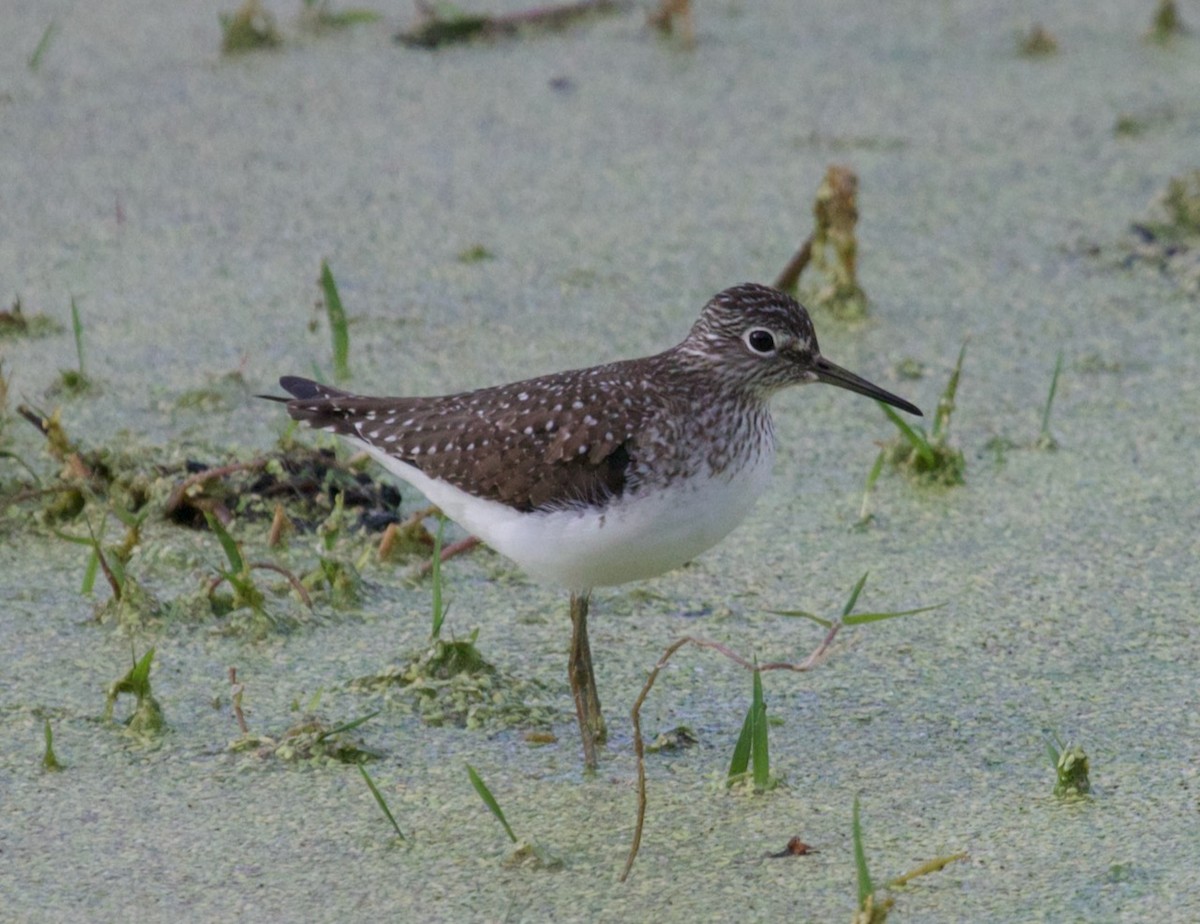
[[583, 682]]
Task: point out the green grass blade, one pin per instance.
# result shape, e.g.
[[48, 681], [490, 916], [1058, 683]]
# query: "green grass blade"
[[139, 677], [864, 510], [740, 762], [131, 520], [380, 801], [77, 327], [237, 564], [35, 59], [859, 619], [873, 474], [347, 17], [348, 726], [50, 762], [490, 801], [865, 888], [337, 324], [1050, 397], [439, 611], [759, 752], [918, 441], [89, 572], [853, 598], [804, 614], [945, 405]]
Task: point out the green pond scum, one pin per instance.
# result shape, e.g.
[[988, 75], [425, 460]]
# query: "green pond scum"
[[311, 740], [540, 200], [451, 683], [250, 28]]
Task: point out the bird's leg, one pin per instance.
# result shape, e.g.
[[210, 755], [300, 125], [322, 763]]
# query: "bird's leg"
[[583, 681]]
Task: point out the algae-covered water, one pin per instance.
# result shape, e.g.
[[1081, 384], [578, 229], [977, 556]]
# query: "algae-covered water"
[[612, 181]]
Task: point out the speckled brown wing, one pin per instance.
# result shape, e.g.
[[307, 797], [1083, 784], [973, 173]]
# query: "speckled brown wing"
[[531, 445]]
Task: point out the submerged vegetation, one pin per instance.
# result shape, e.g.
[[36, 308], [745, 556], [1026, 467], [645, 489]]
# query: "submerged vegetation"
[[450, 682]]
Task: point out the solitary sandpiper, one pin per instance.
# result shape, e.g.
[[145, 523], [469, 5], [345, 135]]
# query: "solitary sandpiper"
[[605, 475]]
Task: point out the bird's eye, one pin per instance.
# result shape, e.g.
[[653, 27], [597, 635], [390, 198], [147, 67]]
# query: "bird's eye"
[[761, 341]]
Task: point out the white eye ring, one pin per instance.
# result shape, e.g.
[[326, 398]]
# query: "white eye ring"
[[760, 340]]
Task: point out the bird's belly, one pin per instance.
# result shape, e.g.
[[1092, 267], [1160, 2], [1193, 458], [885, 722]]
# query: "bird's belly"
[[632, 538]]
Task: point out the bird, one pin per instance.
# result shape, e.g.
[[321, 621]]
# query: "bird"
[[600, 476]]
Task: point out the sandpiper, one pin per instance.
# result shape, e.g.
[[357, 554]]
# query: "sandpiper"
[[601, 476]]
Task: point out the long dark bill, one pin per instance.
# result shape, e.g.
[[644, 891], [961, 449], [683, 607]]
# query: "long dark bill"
[[833, 374]]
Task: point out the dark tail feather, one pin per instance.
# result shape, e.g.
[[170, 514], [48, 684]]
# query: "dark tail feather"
[[307, 389], [300, 389]]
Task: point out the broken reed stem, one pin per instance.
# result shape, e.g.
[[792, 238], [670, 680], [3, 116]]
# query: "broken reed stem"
[[789, 277], [236, 690], [449, 551], [639, 748], [300, 589]]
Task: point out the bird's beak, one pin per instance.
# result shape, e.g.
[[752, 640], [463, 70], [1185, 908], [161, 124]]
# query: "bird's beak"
[[833, 374]]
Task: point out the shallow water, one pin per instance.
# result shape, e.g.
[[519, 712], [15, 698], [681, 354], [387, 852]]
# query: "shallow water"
[[186, 201]]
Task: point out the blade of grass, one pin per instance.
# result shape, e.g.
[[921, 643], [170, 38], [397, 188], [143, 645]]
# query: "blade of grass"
[[1045, 438], [237, 564], [89, 572], [865, 888], [759, 751], [490, 801], [859, 619], [337, 324], [945, 406], [77, 327], [35, 59], [918, 441], [804, 614], [348, 726], [864, 513], [740, 762], [139, 677], [93, 562], [380, 801], [50, 761], [853, 598]]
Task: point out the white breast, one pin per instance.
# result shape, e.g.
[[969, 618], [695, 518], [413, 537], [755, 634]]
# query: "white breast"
[[634, 537]]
